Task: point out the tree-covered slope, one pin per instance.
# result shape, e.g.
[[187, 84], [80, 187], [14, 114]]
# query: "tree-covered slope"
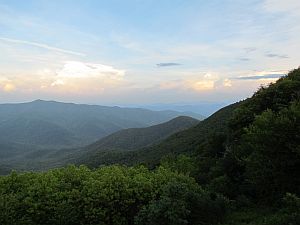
[[28, 157], [54, 125], [127, 140], [134, 138], [186, 141]]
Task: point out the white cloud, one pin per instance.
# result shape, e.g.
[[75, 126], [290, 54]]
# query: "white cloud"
[[202, 83], [282, 6], [75, 69], [227, 83], [58, 82], [79, 76], [72, 77], [40, 45]]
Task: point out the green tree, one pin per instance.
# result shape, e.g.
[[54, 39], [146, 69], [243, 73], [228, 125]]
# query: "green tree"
[[273, 142]]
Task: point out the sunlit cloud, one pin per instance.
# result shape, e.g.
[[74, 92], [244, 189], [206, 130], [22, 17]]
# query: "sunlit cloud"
[[80, 76], [9, 87], [75, 69], [203, 83], [6, 85], [207, 82], [73, 77], [227, 83]]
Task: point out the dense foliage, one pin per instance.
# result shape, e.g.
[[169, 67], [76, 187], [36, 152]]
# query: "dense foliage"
[[132, 139], [256, 160], [108, 195]]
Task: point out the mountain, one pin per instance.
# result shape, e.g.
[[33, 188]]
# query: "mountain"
[[49, 124], [180, 142], [36, 132], [123, 140], [135, 138], [202, 108]]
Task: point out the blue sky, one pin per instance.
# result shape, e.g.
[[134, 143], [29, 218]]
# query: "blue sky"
[[144, 52]]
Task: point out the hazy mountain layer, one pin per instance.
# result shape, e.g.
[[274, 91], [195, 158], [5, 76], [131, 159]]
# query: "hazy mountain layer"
[[49, 124]]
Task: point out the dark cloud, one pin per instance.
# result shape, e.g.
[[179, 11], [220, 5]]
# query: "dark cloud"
[[257, 77], [167, 64], [271, 55], [244, 59]]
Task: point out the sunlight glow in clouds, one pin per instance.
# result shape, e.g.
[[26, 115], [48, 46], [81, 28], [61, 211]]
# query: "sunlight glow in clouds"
[[73, 77], [74, 70], [206, 83], [199, 83], [9, 87], [110, 53], [87, 77]]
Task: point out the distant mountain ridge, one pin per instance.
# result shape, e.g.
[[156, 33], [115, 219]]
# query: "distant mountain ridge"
[[46, 126], [55, 124]]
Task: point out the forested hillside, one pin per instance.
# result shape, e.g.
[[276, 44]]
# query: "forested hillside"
[[238, 167], [132, 139], [32, 133], [187, 141], [28, 157], [50, 124]]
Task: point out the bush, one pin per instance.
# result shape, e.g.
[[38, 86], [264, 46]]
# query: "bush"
[[183, 203], [78, 195]]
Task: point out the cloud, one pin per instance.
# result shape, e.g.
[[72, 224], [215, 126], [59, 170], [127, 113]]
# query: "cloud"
[[83, 77], [249, 49], [227, 83], [260, 77], [203, 83], [76, 69], [6, 85], [271, 55], [9, 87], [40, 45], [73, 77], [244, 59], [167, 64], [282, 6]]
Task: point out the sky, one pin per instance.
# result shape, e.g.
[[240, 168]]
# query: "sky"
[[144, 51]]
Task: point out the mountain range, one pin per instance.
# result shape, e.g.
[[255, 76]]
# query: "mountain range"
[[34, 130]]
